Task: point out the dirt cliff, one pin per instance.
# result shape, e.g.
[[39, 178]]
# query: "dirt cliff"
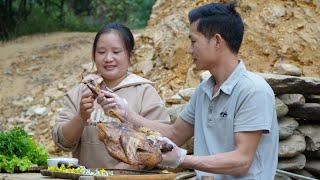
[[275, 32]]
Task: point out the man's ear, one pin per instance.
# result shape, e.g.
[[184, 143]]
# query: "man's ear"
[[217, 40]]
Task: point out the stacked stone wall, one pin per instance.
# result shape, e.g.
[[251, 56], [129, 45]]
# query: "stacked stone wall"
[[298, 112]]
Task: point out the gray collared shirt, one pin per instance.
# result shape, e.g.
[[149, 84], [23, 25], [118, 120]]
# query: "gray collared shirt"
[[244, 102]]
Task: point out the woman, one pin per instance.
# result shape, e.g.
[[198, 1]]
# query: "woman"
[[112, 55]]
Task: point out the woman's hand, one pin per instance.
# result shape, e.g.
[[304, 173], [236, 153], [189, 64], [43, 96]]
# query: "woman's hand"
[[110, 101], [86, 106]]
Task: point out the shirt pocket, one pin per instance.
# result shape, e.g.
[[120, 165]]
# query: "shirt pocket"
[[223, 130]]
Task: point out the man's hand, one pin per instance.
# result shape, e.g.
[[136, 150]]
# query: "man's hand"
[[86, 106], [110, 101], [173, 158]]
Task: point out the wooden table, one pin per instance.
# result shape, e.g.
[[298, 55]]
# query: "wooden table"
[[16, 176], [36, 176]]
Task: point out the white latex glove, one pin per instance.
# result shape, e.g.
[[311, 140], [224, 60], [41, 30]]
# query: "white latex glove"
[[110, 101], [174, 158]]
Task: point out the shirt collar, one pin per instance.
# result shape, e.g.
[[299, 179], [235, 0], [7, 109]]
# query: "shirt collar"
[[233, 79], [229, 84]]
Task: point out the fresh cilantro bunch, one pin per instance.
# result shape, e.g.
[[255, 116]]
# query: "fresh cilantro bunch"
[[19, 151]]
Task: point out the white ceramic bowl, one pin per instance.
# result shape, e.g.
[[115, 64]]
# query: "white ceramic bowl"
[[55, 161]]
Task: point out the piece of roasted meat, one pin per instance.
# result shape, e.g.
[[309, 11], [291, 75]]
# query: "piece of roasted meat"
[[126, 143], [132, 146]]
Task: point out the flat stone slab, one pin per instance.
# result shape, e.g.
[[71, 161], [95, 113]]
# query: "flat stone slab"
[[293, 100], [312, 98], [313, 166], [281, 108], [287, 69], [186, 93], [292, 146], [295, 163], [313, 154], [308, 111], [312, 134], [287, 125], [283, 84]]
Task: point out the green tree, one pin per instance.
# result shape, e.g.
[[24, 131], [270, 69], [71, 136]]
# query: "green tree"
[[22, 17]]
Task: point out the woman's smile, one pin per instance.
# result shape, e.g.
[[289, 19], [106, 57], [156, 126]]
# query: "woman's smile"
[[109, 67]]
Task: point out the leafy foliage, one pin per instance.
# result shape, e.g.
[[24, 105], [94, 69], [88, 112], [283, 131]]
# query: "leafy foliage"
[[18, 150], [29, 16]]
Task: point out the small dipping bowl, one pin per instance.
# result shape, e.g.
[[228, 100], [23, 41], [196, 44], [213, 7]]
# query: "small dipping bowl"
[[55, 161]]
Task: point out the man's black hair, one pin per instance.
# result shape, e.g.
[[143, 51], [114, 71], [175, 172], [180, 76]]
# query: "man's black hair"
[[222, 19]]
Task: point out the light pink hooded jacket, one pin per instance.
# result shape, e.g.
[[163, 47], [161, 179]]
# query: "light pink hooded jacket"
[[142, 98]]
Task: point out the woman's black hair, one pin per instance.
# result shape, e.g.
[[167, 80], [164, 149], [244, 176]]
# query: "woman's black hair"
[[124, 33]]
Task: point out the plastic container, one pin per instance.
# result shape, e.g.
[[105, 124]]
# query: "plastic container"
[[55, 161]]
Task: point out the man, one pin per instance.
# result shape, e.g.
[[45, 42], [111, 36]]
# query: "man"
[[231, 115]]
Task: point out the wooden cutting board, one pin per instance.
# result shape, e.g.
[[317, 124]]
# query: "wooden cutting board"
[[169, 176], [118, 174]]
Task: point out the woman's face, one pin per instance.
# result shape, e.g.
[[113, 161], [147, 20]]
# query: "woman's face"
[[111, 57]]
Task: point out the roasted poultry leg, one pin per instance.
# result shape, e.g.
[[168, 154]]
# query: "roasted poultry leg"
[[126, 144]]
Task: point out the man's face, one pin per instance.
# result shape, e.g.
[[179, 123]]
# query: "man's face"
[[202, 49]]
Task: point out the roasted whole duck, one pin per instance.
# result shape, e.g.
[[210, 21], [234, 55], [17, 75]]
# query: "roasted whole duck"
[[135, 146]]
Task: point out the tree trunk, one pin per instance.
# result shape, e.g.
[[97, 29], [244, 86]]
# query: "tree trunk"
[[8, 7], [22, 11], [86, 6], [3, 33], [45, 6], [7, 22], [61, 17]]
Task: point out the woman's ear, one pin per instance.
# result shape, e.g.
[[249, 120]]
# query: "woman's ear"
[[131, 58]]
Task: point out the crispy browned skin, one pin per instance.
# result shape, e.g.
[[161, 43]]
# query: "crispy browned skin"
[[126, 144]]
